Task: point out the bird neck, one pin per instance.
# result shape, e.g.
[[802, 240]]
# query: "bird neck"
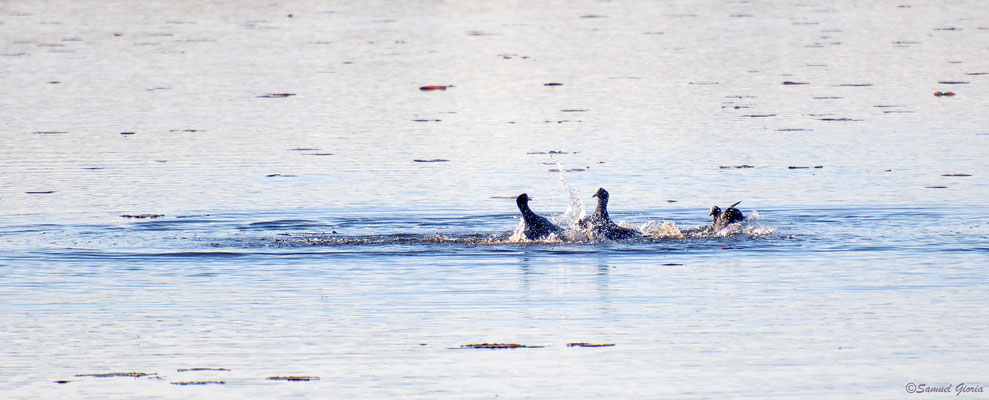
[[602, 209], [524, 208]]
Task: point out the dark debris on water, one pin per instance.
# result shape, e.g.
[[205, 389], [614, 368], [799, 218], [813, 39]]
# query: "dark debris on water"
[[495, 346], [142, 216], [119, 375], [201, 369], [568, 170], [293, 378], [276, 95]]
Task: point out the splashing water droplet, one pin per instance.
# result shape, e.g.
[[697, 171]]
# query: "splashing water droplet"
[[575, 207]]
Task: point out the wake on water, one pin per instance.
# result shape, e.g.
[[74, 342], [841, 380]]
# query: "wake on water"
[[652, 232]]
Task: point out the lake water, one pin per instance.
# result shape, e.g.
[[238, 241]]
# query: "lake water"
[[300, 237]]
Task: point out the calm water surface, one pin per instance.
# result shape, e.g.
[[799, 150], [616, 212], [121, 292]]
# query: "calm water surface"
[[300, 237]]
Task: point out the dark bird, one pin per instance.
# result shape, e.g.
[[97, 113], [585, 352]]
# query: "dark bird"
[[721, 219], [601, 223], [536, 227]]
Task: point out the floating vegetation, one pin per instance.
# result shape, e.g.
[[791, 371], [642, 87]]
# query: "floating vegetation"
[[293, 378], [956, 175], [789, 83], [50, 133], [41, 192], [199, 383], [431, 161], [585, 344], [119, 375], [568, 170], [553, 84], [276, 95], [954, 82], [142, 216], [743, 166], [498, 346], [201, 369], [803, 167], [426, 120]]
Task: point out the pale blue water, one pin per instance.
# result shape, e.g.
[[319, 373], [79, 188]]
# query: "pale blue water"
[[849, 281]]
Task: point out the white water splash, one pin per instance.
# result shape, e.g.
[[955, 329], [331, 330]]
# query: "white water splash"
[[661, 230], [651, 230], [750, 227], [518, 235], [575, 207]]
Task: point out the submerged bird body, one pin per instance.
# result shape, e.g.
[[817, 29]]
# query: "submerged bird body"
[[536, 227], [721, 219], [602, 224]]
